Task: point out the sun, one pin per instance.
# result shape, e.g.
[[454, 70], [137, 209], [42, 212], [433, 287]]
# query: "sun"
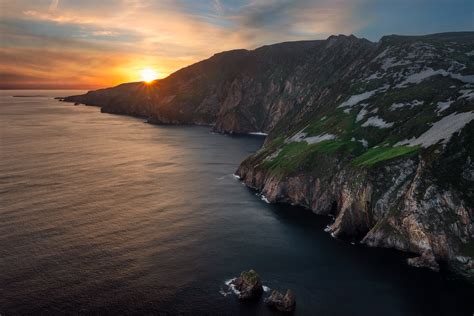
[[148, 75]]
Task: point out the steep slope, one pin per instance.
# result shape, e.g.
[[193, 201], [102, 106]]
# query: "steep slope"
[[379, 135], [238, 91], [389, 152]]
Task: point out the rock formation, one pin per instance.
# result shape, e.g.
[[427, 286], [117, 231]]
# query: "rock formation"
[[379, 135], [283, 303], [248, 285]]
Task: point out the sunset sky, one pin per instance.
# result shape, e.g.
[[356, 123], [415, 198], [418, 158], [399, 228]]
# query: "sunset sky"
[[90, 44]]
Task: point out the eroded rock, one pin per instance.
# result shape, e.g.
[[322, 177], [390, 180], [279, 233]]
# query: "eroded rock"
[[283, 303], [248, 285], [426, 260]]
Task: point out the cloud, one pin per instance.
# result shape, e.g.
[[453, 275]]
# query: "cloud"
[[54, 5], [109, 40]]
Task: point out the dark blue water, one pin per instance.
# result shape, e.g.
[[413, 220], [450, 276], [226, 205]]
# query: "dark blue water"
[[103, 213]]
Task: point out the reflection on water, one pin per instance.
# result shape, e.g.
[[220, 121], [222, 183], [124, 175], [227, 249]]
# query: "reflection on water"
[[103, 213]]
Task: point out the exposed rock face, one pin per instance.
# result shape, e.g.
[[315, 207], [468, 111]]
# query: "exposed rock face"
[[380, 135], [238, 91], [425, 260], [249, 285], [283, 303]]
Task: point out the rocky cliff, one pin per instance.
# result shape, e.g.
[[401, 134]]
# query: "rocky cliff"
[[379, 135]]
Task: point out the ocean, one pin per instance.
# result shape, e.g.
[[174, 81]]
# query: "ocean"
[[106, 214]]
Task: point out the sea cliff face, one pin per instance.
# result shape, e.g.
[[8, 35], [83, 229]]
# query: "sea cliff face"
[[378, 135]]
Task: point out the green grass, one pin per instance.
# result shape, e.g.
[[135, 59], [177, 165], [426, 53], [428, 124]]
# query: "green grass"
[[337, 123], [376, 155], [301, 156], [250, 277]]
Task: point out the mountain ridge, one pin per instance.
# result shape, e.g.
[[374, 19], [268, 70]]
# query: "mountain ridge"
[[378, 135]]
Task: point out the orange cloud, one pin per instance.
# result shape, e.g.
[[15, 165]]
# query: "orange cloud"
[[109, 42]]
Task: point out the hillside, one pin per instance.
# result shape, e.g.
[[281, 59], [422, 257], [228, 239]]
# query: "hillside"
[[378, 135]]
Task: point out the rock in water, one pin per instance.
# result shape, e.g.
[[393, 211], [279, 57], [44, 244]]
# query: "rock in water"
[[426, 260], [249, 285], [283, 303]]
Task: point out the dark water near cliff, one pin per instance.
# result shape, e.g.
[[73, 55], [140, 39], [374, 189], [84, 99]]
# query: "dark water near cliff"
[[103, 213]]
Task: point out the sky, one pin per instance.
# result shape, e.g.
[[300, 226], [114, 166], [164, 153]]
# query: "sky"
[[89, 44]]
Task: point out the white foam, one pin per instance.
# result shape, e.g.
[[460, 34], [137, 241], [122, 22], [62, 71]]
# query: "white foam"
[[259, 133], [236, 176], [264, 198], [440, 130], [266, 288], [231, 286]]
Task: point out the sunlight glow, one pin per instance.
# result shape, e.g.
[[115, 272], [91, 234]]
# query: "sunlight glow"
[[148, 75]]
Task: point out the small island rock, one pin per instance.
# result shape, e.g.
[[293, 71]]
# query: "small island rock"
[[249, 285], [283, 303]]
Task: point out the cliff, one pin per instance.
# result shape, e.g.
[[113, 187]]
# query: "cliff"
[[379, 135]]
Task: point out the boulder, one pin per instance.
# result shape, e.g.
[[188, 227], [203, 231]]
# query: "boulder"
[[249, 285], [426, 260], [283, 303]]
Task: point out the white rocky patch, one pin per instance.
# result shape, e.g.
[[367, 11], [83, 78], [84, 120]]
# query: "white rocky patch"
[[361, 115], [418, 77], [362, 141], [389, 63], [374, 76], [440, 130], [456, 66], [319, 138], [297, 137], [301, 137], [443, 105], [377, 121], [354, 99], [466, 94], [412, 104], [382, 54]]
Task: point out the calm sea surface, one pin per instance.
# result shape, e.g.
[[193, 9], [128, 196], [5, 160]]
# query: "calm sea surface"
[[103, 213]]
